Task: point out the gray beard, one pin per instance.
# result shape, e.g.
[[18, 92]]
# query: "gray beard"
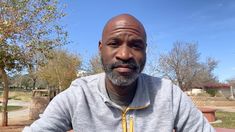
[[120, 80]]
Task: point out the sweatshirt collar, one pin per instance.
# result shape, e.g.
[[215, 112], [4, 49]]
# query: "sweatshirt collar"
[[140, 100]]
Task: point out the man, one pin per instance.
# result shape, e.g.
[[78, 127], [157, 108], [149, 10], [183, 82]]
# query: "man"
[[122, 99]]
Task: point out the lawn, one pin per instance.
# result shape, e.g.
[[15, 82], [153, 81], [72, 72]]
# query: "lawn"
[[228, 119], [11, 108], [19, 95]]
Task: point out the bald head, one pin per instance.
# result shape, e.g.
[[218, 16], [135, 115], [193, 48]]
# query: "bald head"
[[124, 21], [123, 50]]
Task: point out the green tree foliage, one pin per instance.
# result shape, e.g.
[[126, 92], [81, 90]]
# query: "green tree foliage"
[[212, 92], [29, 29], [60, 70], [20, 81]]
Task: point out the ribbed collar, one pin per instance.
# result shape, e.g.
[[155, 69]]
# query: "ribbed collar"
[[140, 100]]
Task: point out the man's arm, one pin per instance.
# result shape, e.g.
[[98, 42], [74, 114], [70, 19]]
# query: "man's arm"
[[56, 117], [187, 116]]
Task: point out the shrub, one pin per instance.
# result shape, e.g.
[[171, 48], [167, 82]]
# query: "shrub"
[[204, 94], [212, 92]]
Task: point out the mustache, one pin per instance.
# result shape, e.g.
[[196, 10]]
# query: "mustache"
[[130, 64]]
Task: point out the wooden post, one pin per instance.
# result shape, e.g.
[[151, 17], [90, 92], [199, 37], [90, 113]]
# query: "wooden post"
[[231, 91]]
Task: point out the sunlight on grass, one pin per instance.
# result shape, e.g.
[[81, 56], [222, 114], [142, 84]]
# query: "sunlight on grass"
[[19, 95], [228, 119], [11, 108]]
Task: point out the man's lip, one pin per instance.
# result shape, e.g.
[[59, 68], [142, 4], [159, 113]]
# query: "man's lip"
[[124, 69], [124, 66]]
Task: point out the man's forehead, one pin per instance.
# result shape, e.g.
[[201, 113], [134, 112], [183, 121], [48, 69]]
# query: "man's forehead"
[[124, 21], [124, 24]]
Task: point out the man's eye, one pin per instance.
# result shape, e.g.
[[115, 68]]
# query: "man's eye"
[[113, 43], [138, 46]]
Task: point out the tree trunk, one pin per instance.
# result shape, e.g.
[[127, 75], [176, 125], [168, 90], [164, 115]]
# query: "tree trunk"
[[34, 82], [32, 75], [5, 96]]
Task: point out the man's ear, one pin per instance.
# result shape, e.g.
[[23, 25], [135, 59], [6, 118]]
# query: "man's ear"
[[100, 45], [146, 47]]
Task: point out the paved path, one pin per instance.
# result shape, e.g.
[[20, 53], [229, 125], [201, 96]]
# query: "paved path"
[[224, 130], [21, 114], [225, 109]]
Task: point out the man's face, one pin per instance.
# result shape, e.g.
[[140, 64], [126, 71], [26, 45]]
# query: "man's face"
[[123, 53]]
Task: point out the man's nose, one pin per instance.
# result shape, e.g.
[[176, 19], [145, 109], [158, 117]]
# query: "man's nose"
[[124, 53]]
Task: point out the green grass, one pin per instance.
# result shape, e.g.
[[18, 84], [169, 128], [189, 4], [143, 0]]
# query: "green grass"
[[12, 108], [228, 119], [19, 95]]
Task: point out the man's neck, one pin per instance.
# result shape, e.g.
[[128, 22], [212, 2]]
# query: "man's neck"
[[121, 95]]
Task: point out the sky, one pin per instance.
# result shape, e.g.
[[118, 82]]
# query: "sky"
[[209, 23]]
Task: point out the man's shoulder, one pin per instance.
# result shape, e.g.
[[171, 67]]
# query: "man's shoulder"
[[85, 84], [89, 79], [154, 79], [157, 84]]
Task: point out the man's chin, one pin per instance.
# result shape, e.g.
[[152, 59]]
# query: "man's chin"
[[124, 73], [121, 79]]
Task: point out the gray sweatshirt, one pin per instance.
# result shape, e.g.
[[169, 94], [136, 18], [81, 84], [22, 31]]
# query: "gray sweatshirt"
[[158, 106]]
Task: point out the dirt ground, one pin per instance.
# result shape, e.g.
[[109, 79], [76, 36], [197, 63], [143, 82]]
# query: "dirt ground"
[[16, 125], [17, 119]]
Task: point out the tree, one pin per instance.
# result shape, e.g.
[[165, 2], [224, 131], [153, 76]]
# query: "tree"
[[16, 80], [60, 70], [28, 28], [205, 73], [21, 81], [182, 66], [151, 67], [26, 82], [95, 65]]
